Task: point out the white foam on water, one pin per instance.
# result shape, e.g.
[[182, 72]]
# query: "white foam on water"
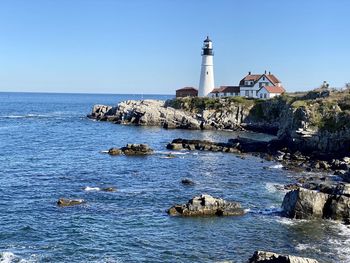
[[341, 244], [273, 187], [276, 166], [247, 210], [302, 247], [9, 257], [88, 188], [269, 211], [288, 221], [12, 116], [172, 153], [104, 151]]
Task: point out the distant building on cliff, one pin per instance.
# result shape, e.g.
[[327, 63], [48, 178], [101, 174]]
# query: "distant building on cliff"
[[186, 92], [263, 86]]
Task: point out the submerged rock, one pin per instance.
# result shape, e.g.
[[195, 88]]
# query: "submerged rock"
[[108, 189], [131, 149], [187, 181], [265, 257], [206, 205], [69, 202]]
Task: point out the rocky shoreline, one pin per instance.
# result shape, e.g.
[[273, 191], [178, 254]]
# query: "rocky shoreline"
[[316, 124]]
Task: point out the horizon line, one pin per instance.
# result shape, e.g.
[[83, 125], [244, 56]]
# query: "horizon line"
[[92, 93]]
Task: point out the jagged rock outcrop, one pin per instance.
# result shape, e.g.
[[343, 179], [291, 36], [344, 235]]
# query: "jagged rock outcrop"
[[266, 257], [206, 205], [131, 149], [226, 114], [329, 201], [146, 113]]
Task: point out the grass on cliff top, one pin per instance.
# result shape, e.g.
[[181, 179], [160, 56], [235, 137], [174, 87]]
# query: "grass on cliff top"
[[205, 103]]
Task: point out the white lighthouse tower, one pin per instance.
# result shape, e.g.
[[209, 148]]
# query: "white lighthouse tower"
[[206, 82]]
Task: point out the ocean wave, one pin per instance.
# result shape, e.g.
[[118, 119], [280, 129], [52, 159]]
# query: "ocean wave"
[[274, 187], [9, 257], [304, 247], [171, 153], [290, 222], [88, 188], [276, 166], [267, 211], [340, 244], [37, 115]]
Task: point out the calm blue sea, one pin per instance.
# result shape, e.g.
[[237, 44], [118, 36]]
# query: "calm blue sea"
[[49, 149]]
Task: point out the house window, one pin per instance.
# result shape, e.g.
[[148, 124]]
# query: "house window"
[[247, 93], [265, 95], [263, 78], [260, 96]]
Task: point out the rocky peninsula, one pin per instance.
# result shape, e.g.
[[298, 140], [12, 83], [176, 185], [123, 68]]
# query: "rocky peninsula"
[[316, 123]]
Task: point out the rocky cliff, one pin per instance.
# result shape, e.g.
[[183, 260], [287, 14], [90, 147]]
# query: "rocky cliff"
[[316, 123]]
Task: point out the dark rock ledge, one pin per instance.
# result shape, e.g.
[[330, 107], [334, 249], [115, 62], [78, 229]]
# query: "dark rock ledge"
[[206, 205], [69, 202], [131, 149], [270, 257], [277, 150]]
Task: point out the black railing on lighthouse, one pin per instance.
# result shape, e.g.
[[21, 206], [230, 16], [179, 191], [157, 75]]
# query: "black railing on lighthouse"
[[207, 51]]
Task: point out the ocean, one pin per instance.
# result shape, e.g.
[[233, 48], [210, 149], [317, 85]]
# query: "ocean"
[[49, 149]]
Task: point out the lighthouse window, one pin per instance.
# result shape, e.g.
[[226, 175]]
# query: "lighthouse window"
[[207, 72]]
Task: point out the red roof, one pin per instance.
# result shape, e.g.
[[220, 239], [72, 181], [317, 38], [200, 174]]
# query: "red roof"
[[229, 89], [226, 89], [255, 77], [187, 88], [274, 89]]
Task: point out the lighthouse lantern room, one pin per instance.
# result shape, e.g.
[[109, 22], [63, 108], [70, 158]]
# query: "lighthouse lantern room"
[[206, 82]]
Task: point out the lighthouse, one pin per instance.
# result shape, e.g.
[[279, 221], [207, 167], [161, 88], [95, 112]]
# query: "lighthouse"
[[206, 82]]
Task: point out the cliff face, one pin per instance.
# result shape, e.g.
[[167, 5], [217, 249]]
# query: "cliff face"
[[318, 122], [319, 125]]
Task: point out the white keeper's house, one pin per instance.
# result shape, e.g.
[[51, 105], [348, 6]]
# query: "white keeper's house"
[[262, 86]]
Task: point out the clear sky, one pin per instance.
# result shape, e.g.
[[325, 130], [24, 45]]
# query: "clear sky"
[[153, 46]]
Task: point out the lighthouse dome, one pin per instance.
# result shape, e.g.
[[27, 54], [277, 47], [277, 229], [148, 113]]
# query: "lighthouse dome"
[[207, 39]]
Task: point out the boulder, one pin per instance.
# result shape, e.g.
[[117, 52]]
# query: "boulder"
[[304, 204], [136, 149], [175, 146], [330, 201], [131, 149], [69, 202], [207, 205], [266, 257]]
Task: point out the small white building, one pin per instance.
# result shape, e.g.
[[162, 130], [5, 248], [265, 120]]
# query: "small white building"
[[225, 91], [268, 92]]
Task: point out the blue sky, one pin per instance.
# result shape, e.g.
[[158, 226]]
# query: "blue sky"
[[153, 46]]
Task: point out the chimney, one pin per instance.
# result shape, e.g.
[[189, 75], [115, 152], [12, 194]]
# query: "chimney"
[[249, 73], [269, 72], [265, 72]]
